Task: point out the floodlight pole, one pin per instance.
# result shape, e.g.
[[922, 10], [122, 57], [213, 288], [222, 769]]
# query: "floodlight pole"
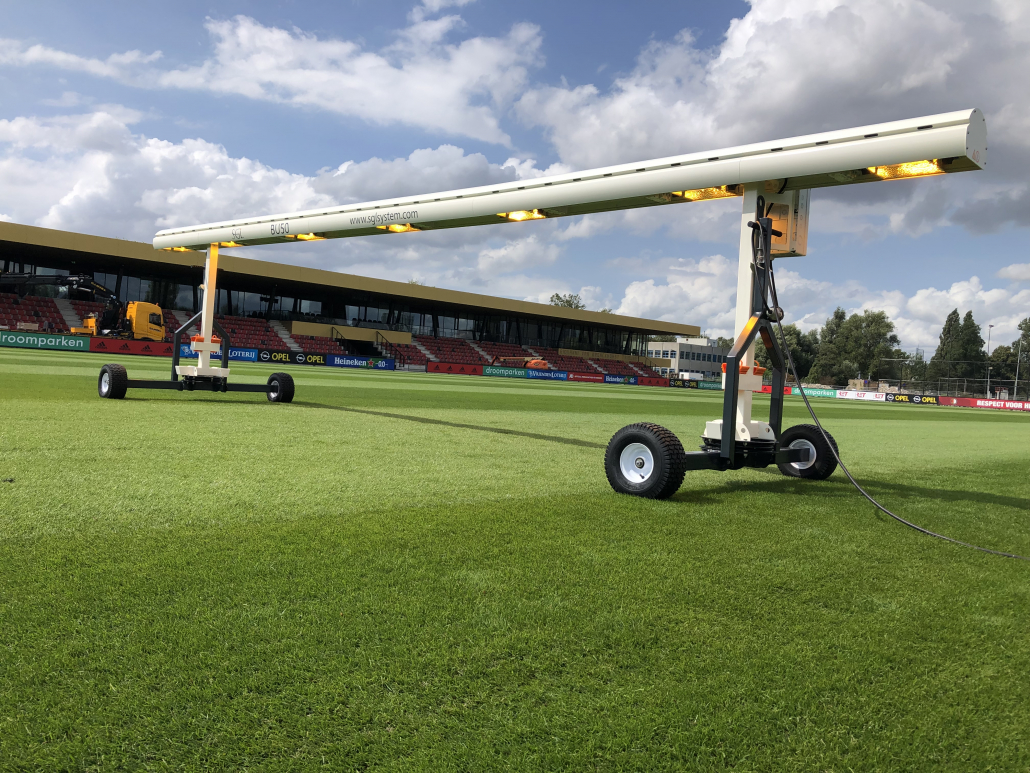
[[204, 344], [1019, 356], [745, 300], [208, 308], [745, 276]]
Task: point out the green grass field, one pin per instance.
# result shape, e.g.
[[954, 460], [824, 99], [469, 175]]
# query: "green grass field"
[[412, 572]]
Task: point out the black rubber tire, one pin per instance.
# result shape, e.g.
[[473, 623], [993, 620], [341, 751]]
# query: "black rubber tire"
[[280, 388], [825, 461], [117, 382], [669, 461]]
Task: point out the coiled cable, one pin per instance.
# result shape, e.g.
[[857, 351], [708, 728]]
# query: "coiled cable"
[[774, 313]]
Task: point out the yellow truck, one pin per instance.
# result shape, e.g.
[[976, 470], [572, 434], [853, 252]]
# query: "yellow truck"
[[141, 321], [137, 319]]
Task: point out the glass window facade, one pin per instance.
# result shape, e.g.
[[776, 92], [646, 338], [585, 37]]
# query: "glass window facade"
[[245, 296]]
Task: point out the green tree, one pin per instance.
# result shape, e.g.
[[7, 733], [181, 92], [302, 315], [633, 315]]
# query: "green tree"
[[938, 367], [1003, 363], [853, 347], [1021, 346], [871, 339], [1024, 338], [915, 367], [725, 343], [828, 367], [569, 301], [803, 347], [969, 350]]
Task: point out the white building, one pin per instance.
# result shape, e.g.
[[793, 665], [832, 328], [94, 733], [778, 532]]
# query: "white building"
[[689, 358]]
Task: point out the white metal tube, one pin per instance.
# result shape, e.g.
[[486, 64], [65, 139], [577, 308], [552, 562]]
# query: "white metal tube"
[[832, 158]]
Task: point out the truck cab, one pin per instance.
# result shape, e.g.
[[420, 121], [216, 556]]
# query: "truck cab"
[[145, 321]]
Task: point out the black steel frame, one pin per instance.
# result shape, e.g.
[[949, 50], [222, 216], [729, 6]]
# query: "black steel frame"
[[731, 453], [192, 383]]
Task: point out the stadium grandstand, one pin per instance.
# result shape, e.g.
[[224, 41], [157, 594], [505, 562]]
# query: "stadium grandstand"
[[274, 306]]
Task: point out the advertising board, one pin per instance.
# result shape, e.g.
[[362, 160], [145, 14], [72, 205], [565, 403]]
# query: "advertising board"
[[610, 379], [547, 375], [652, 381], [596, 378], [502, 372], [29, 340], [290, 358], [454, 368], [978, 402], [904, 398], [847, 394], [767, 389], [235, 354], [125, 346], [710, 385], [352, 361], [814, 392]]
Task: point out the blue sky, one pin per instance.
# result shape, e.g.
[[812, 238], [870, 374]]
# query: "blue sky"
[[122, 118]]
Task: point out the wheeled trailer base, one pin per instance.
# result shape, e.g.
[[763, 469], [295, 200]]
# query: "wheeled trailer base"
[[647, 460], [114, 381]]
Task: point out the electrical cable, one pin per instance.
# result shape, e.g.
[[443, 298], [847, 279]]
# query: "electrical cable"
[[775, 313]]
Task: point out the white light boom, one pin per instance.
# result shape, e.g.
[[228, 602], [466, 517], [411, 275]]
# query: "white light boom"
[[936, 144]]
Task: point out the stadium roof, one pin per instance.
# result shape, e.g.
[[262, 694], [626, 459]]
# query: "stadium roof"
[[48, 247]]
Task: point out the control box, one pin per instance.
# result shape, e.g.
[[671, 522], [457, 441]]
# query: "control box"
[[789, 213]]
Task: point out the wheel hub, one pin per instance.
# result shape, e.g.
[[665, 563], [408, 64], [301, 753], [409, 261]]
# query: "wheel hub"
[[105, 382], [802, 443], [636, 462]]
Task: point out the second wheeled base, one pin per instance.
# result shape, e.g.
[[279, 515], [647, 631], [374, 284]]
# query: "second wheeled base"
[[647, 460], [114, 381], [763, 456], [196, 384]]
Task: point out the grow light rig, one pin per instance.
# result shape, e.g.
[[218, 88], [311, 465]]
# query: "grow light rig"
[[774, 179], [114, 380]]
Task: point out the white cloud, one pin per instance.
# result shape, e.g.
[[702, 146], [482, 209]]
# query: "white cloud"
[[92, 173], [859, 63], [67, 99], [525, 168], [595, 298], [704, 293], [428, 7], [789, 67], [786, 67], [516, 255], [709, 221], [696, 291], [1019, 272], [15, 53], [425, 170], [420, 80]]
